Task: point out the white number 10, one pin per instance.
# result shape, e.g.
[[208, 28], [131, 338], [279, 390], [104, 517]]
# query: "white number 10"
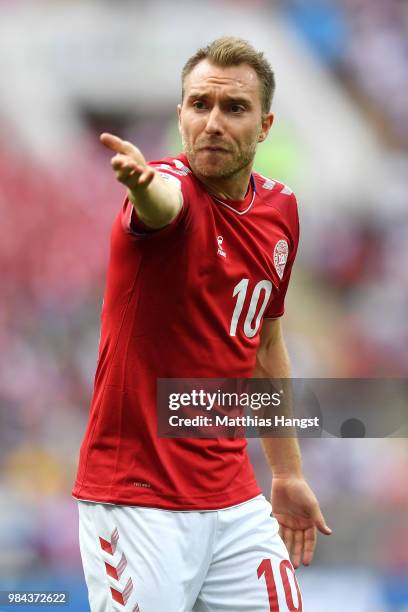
[[241, 290]]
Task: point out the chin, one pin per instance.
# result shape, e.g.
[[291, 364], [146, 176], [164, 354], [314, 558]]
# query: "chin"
[[214, 172], [211, 170]]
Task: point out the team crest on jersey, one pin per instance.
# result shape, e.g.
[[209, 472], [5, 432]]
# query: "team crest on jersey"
[[280, 256], [220, 250]]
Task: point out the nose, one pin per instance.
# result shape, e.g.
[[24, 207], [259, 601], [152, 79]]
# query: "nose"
[[214, 122]]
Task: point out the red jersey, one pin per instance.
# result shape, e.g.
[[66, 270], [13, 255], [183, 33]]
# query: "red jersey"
[[186, 301]]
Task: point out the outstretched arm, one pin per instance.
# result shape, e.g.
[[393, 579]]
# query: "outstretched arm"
[[156, 201], [294, 504]]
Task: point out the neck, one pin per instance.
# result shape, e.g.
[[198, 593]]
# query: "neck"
[[233, 187]]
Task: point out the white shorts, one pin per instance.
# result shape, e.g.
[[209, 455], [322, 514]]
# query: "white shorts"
[[140, 559]]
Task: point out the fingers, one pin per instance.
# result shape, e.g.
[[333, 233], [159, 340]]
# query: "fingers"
[[146, 177], [130, 173], [117, 144], [294, 542], [119, 161], [287, 536], [300, 543], [297, 548], [124, 166], [310, 536], [129, 164]]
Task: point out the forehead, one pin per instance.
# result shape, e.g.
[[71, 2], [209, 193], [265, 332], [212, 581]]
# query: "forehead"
[[241, 79]]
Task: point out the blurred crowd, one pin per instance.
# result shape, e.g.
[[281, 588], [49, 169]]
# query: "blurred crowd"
[[358, 263], [366, 43], [347, 312]]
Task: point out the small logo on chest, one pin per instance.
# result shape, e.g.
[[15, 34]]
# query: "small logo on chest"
[[280, 256], [220, 250]]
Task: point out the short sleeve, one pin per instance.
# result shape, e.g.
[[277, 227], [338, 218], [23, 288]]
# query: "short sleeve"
[[172, 171], [276, 307]]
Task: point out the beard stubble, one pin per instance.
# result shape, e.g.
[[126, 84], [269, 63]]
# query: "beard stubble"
[[224, 169]]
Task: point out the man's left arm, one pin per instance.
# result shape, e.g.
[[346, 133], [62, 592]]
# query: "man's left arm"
[[294, 504]]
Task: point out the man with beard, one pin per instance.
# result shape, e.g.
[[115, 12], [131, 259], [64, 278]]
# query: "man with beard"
[[201, 256]]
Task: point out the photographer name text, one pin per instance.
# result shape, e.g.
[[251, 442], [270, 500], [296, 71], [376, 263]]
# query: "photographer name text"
[[243, 421]]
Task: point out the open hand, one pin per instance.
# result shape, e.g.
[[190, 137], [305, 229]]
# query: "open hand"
[[298, 513], [129, 164]]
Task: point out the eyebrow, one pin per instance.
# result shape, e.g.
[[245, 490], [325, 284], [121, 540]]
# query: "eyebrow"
[[231, 98]]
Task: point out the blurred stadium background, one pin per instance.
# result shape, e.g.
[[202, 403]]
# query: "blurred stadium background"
[[71, 69]]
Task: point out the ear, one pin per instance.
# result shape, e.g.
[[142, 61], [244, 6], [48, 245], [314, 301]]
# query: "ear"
[[266, 125], [179, 116]]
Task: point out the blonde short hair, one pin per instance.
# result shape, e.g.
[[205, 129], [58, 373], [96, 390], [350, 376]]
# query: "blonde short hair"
[[232, 51]]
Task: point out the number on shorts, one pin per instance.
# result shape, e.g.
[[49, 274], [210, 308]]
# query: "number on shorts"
[[265, 569]]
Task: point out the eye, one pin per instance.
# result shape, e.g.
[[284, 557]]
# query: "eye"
[[236, 108], [199, 105]]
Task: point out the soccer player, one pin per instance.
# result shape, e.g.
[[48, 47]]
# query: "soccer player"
[[201, 255]]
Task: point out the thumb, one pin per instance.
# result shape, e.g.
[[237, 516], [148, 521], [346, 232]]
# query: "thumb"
[[321, 523]]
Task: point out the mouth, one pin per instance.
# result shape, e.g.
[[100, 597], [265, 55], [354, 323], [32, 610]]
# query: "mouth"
[[214, 149]]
